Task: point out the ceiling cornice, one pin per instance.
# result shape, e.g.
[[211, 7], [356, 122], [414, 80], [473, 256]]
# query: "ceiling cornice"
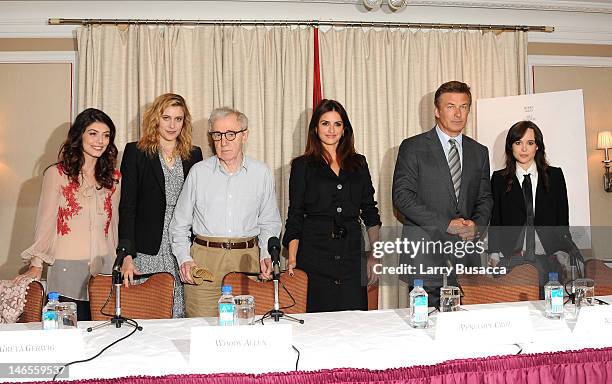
[[539, 5]]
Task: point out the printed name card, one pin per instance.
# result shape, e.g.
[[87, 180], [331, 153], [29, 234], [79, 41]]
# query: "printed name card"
[[38, 346], [594, 323], [248, 348], [485, 326]]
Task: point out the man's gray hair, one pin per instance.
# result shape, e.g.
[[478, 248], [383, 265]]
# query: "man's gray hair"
[[223, 112]]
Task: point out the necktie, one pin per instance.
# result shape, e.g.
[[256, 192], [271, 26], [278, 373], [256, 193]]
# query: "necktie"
[[455, 166], [529, 222]]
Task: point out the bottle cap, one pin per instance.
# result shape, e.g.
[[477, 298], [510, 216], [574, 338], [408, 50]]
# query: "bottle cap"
[[553, 276], [53, 296], [226, 289], [418, 282]]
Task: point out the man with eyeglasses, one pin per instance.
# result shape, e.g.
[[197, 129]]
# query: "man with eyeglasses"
[[229, 201], [441, 186]]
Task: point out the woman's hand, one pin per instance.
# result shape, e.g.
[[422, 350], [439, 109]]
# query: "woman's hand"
[[32, 273], [291, 264], [372, 261], [128, 270]]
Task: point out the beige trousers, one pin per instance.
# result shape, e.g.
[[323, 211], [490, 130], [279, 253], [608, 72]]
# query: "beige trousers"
[[201, 300]]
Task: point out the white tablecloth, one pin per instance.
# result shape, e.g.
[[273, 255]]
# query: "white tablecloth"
[[358, 339]]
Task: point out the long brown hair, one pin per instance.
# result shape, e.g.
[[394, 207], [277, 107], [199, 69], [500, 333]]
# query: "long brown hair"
[[149, 142], [346, 156], [516, 132], [71, 158]]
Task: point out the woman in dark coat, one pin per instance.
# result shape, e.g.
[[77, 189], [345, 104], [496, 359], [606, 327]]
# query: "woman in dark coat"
[[330, 192]]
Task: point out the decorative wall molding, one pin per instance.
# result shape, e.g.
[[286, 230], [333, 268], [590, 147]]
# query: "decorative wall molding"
[[46, 57], [539, 5], [563, 61], [575, 22]]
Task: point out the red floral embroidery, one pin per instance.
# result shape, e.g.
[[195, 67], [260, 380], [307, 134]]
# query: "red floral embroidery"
[[108, 208], [71, 209]]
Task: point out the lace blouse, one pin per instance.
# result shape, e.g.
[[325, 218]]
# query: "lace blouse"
[[76, 232]]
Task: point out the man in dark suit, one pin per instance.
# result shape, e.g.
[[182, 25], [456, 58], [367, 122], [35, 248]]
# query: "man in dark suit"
[[441, 186]]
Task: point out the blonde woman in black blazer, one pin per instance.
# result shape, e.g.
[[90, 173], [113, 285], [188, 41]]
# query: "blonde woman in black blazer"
[[154, 170], [525, 153]]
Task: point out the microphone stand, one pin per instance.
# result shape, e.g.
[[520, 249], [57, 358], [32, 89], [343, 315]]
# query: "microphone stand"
[[117, 320], [276, 313], [575, 272]]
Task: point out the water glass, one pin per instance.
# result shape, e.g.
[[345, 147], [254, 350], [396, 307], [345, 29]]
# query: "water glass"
[[66, 315], [450, 299], [585, 292], [245, 309]]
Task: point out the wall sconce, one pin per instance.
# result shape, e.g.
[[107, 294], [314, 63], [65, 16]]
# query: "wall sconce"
[[604, 141]]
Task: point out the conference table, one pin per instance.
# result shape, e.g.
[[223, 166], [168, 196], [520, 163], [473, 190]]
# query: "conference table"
[[336, 344]]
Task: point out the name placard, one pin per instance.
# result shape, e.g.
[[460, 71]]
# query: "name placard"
[[38, 346], [246, 349], [485, 326], [594, 323]]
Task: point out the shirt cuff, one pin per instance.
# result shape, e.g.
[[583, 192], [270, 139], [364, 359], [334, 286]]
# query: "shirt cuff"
[[36, 262]]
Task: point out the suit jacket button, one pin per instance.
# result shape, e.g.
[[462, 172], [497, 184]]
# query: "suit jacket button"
[[337, 282]]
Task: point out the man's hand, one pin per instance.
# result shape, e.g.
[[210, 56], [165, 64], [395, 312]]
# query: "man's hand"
[[266, 269], [128, 270], [464, 228], [186, 272]]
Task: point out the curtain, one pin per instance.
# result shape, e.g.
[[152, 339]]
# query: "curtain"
[[386, 80], [264, 72]]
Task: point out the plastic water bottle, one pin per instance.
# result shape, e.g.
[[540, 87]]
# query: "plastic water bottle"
[[226, 306], [553, 294], [418, 305], [49, 314]]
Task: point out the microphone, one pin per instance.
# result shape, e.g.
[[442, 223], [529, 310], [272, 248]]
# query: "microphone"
[[571, 247], [122, 252], [274, 248]]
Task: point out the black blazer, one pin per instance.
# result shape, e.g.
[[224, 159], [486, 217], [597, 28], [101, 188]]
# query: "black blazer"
[[143, 199], [551, 213]]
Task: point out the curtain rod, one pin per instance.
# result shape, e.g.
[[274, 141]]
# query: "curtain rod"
[[314, 23]]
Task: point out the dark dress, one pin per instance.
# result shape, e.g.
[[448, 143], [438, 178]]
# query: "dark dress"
[[324, 215]]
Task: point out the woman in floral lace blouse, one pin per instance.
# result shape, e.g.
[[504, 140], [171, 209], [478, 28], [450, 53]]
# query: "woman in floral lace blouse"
[[76, 224]]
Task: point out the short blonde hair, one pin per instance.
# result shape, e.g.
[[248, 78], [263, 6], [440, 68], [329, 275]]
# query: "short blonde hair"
[[149, 141]]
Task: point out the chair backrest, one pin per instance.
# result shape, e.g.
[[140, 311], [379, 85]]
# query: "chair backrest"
[[35, 297], [520, 284], [152, 299], [602, 274], [263, 292]]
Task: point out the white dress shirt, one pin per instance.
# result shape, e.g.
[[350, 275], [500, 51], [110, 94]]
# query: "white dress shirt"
[[217, 204]]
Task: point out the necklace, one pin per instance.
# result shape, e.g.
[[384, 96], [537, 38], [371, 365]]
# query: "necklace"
[[168, 157]]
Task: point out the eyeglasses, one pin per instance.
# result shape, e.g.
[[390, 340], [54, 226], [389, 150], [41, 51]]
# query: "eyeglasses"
[[229, 135]]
